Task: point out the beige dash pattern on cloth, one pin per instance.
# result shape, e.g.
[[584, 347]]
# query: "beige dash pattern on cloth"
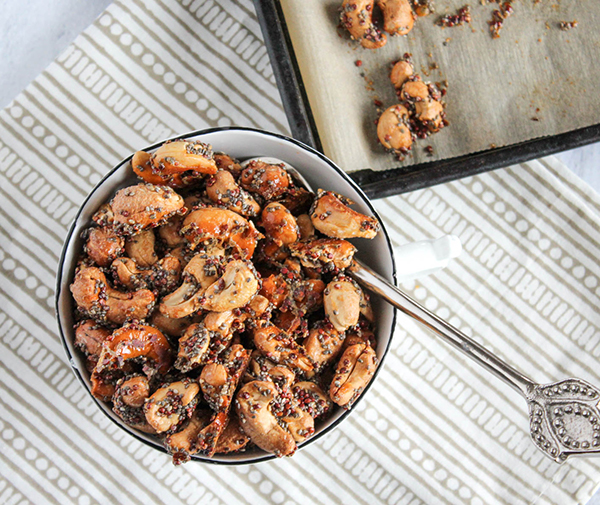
[[433, 429]]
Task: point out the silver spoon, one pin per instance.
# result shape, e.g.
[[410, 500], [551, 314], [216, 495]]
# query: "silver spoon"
[[564, 418]]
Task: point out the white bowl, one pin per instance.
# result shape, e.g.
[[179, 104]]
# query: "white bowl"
[[241, 143]]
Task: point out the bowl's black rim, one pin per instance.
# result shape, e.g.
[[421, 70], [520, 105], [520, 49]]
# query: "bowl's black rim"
[[67, 240]]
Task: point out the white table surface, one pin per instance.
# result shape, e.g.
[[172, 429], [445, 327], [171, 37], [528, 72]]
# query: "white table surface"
[[34, 32]]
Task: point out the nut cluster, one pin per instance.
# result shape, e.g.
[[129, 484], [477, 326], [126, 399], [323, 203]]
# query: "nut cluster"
[[212, 306]]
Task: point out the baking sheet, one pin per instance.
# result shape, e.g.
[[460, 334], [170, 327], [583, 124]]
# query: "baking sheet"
[[534, 81]]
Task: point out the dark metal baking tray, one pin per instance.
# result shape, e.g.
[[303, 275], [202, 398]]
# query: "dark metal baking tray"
[[379, 184]]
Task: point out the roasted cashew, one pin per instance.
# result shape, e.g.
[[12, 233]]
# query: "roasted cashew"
[[258, 422], [357, 18], [89, 336], [200, 273], [233, 438], [193, 346], [218, 381], [311, 398], [103, 245], [341, 300], [332, 217], [400, 73], [222, 189], [171, 405], [429, 113], [398, 16], [359, 335], [235, 288], [352, 374], [226, 162], [269, 181], [279, 224], [305, 226], [293, 324], [298, 422], [323, 345], [392, 129], [144, 206], [128, 402], [104, 216], [170, 326], [414, 91], [96, 299], [142, 166], [275, 289], [182, 444], [212, 225], [140, 247], [276, 345], [325, 254], [179, 156], [135, 341]]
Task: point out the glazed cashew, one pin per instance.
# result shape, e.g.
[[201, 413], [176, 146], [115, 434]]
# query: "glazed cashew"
[[171, 405], [276, 345], [332, 217], [233, 438], [104, 216], [226, 162], [298, 422], [170, 326], [103, 245], [182, 444], [89, 336], [198, 275], [414, 91], [140, 248], [143, 206], [163, 276], [179, 156], [305, 226], [258, 422], [429, 112], [400, 73], [324, 254], [279, 224], [193, 346], [311, 398], [222, 189], [235, 288], [392, 129], [269, 181], [323, 345], [352, 374], [212, 225], [142, 166], [342, 299], [398, 16], [357, 18], [218, 381], [128, 402], [135, 341], [96, 299]]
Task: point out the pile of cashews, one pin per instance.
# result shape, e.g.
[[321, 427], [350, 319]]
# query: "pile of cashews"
[[212, 306]]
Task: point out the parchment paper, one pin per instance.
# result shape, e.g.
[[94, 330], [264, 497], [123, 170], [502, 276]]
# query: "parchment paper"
[[535, 80]]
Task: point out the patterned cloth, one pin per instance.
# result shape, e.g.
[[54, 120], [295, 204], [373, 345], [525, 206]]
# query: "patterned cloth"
[[433, 429]]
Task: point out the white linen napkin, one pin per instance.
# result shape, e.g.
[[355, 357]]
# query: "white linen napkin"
[[433, 429]]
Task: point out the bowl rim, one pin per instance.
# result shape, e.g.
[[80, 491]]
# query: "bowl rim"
[[194, 133]]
